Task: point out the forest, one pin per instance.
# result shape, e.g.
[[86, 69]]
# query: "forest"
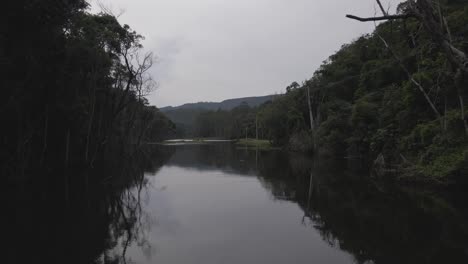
[[395, 98], [89, 176], [75, 84], [75, 122]]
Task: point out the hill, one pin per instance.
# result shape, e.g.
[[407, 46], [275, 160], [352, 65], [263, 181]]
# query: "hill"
[[224, 105], [184, 115], [393, 102]]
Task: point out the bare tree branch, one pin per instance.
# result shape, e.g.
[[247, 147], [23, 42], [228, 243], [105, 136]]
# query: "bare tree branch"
[[410, 77], [425, 12], [107, 9], [381, 18], [381, 8]]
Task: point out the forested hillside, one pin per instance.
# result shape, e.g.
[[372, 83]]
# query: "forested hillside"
[[73, 88], [396, 98], [224, 105], [185, 116]]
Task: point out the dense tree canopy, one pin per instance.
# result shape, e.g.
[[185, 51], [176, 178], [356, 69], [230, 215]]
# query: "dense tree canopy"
[[74, 83], [73, 116], [392, 97]]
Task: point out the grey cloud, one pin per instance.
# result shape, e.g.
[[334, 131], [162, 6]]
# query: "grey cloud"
[[210, 50]]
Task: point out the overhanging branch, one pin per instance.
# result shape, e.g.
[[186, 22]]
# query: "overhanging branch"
[[381, 8], [389, 17]]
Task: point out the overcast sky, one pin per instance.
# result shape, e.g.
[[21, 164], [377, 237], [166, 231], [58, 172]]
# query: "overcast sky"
[[211, 50]]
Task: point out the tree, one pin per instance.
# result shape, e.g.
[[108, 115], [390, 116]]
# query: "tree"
[[429, 14]]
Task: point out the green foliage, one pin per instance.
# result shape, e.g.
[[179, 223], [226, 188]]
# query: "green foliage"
[[254, 143], [73, 88], [444, 162], [365, 105], [185, 116], [334, 130]]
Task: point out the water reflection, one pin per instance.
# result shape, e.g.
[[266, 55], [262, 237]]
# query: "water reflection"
[[216, 203], [81, 215], [215, 216]]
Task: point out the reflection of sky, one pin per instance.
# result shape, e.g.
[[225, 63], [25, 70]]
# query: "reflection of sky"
[[215, 217], [218, 156]]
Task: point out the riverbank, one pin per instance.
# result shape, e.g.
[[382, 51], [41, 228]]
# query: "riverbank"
[[193, 141], [245, 142], [255, 143]]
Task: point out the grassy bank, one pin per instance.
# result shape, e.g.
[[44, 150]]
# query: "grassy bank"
[[255, 143]]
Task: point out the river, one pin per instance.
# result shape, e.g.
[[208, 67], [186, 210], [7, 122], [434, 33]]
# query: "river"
[[217, 202], [220, 203]]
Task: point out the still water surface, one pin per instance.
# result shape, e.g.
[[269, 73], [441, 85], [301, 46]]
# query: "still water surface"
[[210, 215], [217, 203]]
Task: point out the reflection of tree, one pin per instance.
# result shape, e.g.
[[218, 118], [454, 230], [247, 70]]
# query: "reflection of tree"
[[376, 224], [219, 156], [129, 224], [103, 215]]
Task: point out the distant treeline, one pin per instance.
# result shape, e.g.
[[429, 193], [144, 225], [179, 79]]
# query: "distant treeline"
[[73, 84], [396, 97], [185, 116]]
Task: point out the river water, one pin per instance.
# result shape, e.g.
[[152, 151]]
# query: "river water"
[[220, 203]]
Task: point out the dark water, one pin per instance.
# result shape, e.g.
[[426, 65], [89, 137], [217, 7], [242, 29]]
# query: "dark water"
[[220, 204], [216, 203]]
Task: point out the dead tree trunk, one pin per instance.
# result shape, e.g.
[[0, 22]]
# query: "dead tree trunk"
[[256, 127], [459, 83], [410, 77], [311, 116], [429, 14], [435, 24]]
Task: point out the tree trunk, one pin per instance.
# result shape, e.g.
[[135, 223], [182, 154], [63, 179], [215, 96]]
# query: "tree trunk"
[[46, 128], [410, 77], [256, 127], [90, 126], [460, 80], [67, 155], [462, 106], [311, 116]]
